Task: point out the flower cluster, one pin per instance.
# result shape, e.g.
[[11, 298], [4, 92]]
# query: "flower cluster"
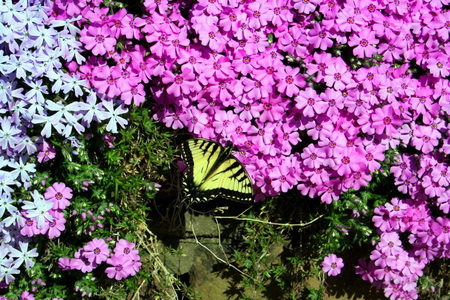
[[394, 266], [264, 75], [259, 74], [34, 52], [44, 215], [124, 262]]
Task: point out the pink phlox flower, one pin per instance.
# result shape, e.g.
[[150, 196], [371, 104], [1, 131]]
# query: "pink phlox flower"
[[219, 67], [334, 143], [441, 174], [310, 103], [223, 120], [425, 139], [290, 80], [396, 207], [386, 26], [105, 82], [124, 25], [318, 64], [134, 94], [245, 63], [428, 231], [96, 251], [166, 23], [317, 176], [432, 188], [334, 102], [66, 263], [329, 192], [405, 166], [337, 75], [179, 83], [332, 265], [389, 90], [313, 156], [267, 69], [444, 236], [357, 180], [287, 136], [60, 194], [383, 220], [56, 226], [84, 264], [258, 14], [440, 23], [413, 268], [98, 39], [294, 41], [373, 155], [214, 7], [254, 89], [319, 37], [273, 109], [195, 120], [347, 20], [364, 41], [305, 6], [282, 181], [444, 202], [278, 14], [211, 37], [121, 267], [347, 162], [422, 104], [384, 120], [365, 269], [393, 50], [390, 243], [123, 247]]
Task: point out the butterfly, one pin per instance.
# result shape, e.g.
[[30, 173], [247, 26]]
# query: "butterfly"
[[213, 172]]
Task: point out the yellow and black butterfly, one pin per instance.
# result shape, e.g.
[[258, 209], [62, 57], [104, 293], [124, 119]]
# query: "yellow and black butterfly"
[[213, 172]]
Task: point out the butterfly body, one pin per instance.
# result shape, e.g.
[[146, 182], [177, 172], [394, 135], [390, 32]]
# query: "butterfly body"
[[214, 172]]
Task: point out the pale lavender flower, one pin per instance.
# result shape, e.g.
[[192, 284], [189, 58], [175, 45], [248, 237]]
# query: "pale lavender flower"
[[38, 209], [24, 255]]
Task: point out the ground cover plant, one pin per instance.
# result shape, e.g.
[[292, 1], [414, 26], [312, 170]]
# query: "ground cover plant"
[[344, 102]]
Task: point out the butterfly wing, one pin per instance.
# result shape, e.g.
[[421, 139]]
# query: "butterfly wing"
[[214, 171]]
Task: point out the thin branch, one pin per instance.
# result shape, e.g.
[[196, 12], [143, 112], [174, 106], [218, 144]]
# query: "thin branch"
[[218, 258], [271, 223]]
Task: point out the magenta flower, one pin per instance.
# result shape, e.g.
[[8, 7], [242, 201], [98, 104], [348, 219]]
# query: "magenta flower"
[[123, 247], [319, 37], [56, 226], [60, 194], [365, 269], [311, 104], [47, 152], [313, 157], [179, 83], [122, 267], [96, 251], [337, 75], [332, 265], [97, 39], [290, 81], [384, 120], [364, 41]]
